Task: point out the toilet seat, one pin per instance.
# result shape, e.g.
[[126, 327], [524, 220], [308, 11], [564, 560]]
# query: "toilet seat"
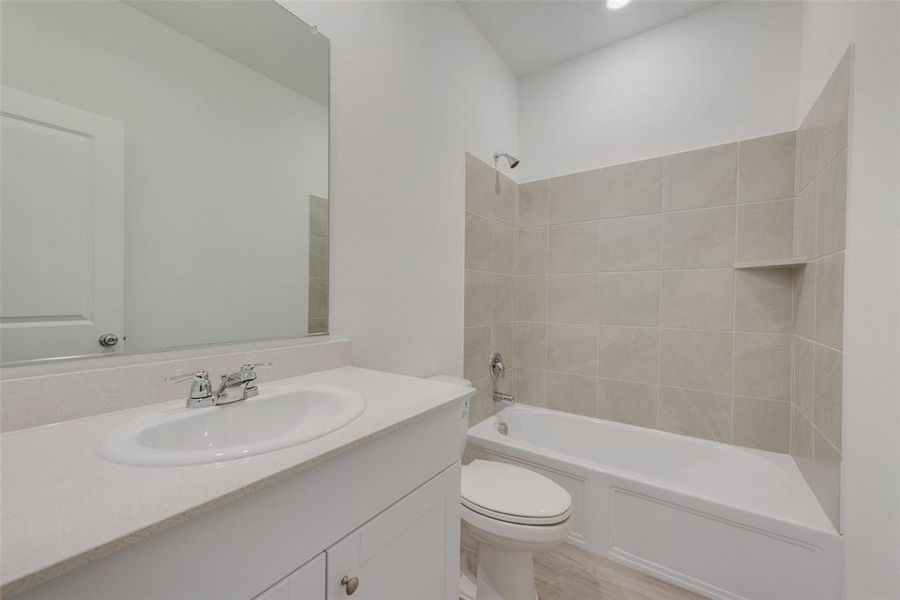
[[513, 494]]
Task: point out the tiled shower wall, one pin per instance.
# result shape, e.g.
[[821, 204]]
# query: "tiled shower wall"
[[822, 149], [627, 306], [490, 281]]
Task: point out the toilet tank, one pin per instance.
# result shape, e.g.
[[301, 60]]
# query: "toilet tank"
[[465, 413]]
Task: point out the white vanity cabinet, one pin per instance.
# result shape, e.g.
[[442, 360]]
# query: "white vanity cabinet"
[[385, 511], [404, 553], [306, 583]]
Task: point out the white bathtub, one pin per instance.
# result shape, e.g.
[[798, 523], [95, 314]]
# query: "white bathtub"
[[723, 521]]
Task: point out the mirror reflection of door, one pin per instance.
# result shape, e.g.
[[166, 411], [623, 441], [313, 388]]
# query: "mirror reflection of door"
[[62, 210]]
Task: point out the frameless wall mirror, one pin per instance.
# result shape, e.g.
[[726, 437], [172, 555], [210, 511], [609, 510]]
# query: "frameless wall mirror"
[[164, 176]]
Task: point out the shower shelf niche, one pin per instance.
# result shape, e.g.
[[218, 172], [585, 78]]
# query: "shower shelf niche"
[[797, 261]]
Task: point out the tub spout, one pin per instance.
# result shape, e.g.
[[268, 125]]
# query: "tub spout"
[[504, 399]]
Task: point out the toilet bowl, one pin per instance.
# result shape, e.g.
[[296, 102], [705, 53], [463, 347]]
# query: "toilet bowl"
[[513, 513]]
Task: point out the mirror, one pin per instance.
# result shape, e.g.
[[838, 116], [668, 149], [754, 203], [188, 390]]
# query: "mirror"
[[164, 176]]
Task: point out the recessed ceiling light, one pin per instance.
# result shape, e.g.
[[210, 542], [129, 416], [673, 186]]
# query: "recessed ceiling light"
[[616, 4]]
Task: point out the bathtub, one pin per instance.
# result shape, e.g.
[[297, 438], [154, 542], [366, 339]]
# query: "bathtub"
[[723, 521]]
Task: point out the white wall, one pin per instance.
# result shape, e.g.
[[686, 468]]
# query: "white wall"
[[219, 165], [414, 86], [870, 497], [724, 73]]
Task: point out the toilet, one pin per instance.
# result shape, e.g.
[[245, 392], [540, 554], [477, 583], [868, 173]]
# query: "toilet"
[[512, 512]]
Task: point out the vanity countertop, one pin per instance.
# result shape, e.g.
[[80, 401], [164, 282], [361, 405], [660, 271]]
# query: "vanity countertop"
[[64, 506]]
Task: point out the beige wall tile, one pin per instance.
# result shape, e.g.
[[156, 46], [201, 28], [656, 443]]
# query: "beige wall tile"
[[502, 341], [762, 424], [805, 227], [696, 359], [531, 298], [805, 301], [572, 348], [479, 296], [476, 351], [833, 110], [828, 384], [318, 257], [571, 393], [630, 353], [531, 345], [766, 167], [574, 198], [479, 242], [827, 477], [806, 150], [629, 298], [532, 254], [763, 300], [481, 405], [632, 189], [699, 414], [531, 387], [762, 365], [830, 300], [802, 444], [701, 299], [505, 198], [318, 298], [698, 239], [831, 193], [534, 204], [318, 216], [318, 326], [573, 298], [765, 230], [823, 133], [627, 402], [699, 178], [504, 243], [574, 248], [503, 305], [803, 375], [630, 244]]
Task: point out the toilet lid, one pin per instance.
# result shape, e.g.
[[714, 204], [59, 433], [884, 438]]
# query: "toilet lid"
[[513, 494]]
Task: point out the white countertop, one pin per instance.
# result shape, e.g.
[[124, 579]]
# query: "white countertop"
[[64, 506]]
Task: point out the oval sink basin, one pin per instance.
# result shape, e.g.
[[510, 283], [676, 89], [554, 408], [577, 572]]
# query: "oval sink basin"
[[277, 418]]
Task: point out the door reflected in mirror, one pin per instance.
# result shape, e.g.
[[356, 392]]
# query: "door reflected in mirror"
[[164, 176]]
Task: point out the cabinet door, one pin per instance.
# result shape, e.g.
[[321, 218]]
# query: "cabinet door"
[[408, 552], [306, 583]]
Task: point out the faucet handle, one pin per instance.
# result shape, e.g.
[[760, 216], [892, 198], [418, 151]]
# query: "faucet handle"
[[496, 367], [253, 366], [200, 388]]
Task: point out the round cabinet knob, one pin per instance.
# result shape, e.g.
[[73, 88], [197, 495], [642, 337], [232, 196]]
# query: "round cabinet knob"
[[350, 584], [108, 339]]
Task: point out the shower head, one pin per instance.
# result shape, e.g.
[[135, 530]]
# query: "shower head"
[[512, 160]]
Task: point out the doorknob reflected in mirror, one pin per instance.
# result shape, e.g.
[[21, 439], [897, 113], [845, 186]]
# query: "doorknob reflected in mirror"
[[350, 584], [108, 340]]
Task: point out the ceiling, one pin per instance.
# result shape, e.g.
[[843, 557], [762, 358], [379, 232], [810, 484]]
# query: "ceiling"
[[533, 35]]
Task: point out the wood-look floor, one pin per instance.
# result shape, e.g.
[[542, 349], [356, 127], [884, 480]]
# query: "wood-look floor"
[[570, 573]]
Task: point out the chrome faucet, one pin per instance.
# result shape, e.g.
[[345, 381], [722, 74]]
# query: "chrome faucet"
[[201, 389], [498, 370]]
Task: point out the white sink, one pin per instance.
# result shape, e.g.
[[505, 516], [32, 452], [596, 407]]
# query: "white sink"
[[280, 416]]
